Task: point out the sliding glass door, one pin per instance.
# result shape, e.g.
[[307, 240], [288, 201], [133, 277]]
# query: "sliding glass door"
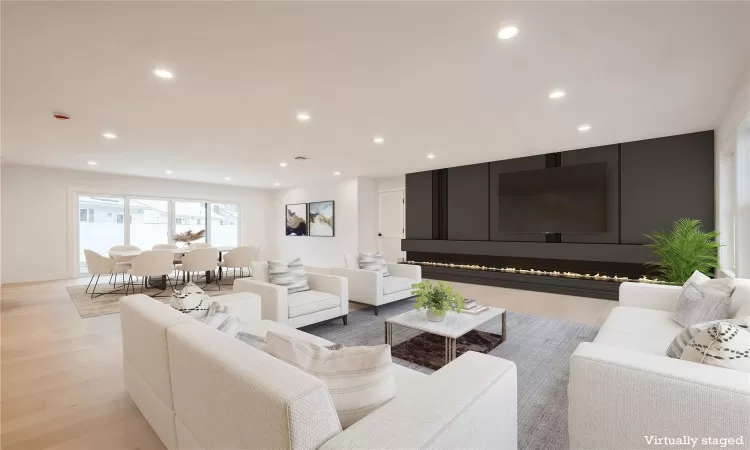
[[149, 222], [224, 220], [100, 225]]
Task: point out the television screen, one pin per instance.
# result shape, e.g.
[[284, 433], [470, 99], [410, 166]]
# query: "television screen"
[[569, 199]]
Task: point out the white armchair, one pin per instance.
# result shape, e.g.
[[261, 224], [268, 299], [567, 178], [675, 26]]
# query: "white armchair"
[[327, 298], [370, 287], [98, 265]]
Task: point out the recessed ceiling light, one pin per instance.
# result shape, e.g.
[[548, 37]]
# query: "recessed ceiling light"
[[109, 135], [507, 33], [430, 156], [337, 173], [228, 178], [92, 163], [163, 73], [277, 184], [303, 116], [584, 127], [282, 164], [168, 172], [378, 139], [557, 93]]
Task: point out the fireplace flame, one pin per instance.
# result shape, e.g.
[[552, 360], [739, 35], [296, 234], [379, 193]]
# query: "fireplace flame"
[[554, 273]]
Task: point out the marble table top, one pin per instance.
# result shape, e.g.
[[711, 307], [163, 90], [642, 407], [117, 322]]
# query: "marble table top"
[[453, 326], [176, 251]]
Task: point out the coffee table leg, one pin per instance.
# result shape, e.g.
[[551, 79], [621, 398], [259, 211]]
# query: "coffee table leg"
[[450, 349], [505, 327]]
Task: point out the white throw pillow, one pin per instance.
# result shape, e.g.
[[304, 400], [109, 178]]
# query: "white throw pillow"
[[191, 300], [359, 379], [291, 275], [703, 301], [373, 261], [722, 345], [686, 336]]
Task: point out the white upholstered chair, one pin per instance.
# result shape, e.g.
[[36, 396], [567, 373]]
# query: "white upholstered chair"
[[152, 263], [176, 260], [240, 258], [200, 260], [327, 298], [125, 247], [371, 287], [99, 265]]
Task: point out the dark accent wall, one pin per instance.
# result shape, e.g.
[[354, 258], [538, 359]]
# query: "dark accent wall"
[[650, 184], [468, 203], [664, 180]]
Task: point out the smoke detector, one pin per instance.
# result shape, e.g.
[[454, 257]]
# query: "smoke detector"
[[300, 158]]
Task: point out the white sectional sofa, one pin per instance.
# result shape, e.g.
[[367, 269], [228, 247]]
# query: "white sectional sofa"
[[623, 388], [202, 389], [372, 288]]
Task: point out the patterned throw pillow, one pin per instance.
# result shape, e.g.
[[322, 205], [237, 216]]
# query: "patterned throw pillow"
[[702, 302], [191, 300], [373, 261], [291, 275], [226, 323], [722, 345], [687, 335], [359, 379]]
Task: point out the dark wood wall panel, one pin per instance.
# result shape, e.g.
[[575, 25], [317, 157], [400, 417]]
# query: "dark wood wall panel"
[[608, 154], [419, 205], [510, 165], [468, 203], [663, 180]]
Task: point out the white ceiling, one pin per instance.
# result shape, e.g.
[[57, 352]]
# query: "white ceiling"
[[429, 77]]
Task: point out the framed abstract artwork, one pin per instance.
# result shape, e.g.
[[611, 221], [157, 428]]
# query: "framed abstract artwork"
[[296, 219], [322, 219]]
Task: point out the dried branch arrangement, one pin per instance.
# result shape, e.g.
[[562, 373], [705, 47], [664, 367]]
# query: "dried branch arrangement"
[[188, 236]]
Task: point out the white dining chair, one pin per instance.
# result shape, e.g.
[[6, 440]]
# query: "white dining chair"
[[99, 265], [199, 260], [176, 259], [240, 258], [152, 263], [125, 247]]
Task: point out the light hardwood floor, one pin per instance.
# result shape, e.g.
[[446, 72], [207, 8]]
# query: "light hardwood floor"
[[61, 376]]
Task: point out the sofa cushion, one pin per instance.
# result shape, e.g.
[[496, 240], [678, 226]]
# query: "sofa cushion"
[[308, 302], [639, 329], [722, 345], [396, 284], [261, 327], [405, 377], [359, 379]]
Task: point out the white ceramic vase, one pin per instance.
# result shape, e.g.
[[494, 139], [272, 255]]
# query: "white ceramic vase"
[[432, 317]]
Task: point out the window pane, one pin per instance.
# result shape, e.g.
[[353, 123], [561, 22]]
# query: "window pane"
[[224, 220], [98, 229], [149, 222], [190, 216]]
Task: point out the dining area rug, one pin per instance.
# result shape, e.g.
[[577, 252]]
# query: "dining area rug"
[[110, 303]]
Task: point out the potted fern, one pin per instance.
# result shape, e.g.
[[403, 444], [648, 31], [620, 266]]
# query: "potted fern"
[[684, 250], [437, 299]]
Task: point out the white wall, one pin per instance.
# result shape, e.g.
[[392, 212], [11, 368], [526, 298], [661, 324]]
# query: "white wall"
[[38, 206], [392, 183], [734, 196], [367, 214], [322, 251]]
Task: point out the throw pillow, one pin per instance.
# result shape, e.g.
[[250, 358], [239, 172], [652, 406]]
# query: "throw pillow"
[[226, 323], [191, 300], [259, 342], [687, 335], [291, 275], [722, 345], [359, 379], [702, 302], [373, 261]]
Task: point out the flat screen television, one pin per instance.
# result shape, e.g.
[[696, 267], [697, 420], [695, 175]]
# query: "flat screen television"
[[570, 199]]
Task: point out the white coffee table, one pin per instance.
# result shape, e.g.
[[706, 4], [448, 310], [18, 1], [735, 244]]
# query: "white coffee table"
[[453, 327]]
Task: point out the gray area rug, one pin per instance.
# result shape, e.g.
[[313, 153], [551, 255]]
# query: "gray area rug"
[[540, 347]]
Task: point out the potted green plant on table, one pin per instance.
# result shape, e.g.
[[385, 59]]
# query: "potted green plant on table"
[[685, 249], [437, 299]]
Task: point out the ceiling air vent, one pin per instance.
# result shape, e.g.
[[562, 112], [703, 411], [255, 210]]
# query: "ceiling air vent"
[[301, 158]]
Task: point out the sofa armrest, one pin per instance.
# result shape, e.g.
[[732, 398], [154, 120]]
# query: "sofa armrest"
[[273, 298], [411, 271], [649, 296], [365, 286], [332, 285], [617, 397], [469, 403]]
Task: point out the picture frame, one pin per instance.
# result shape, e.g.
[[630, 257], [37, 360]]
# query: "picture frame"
[[296, 219], [322, 218]]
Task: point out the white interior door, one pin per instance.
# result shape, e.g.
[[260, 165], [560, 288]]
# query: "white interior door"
[[390, 224]]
